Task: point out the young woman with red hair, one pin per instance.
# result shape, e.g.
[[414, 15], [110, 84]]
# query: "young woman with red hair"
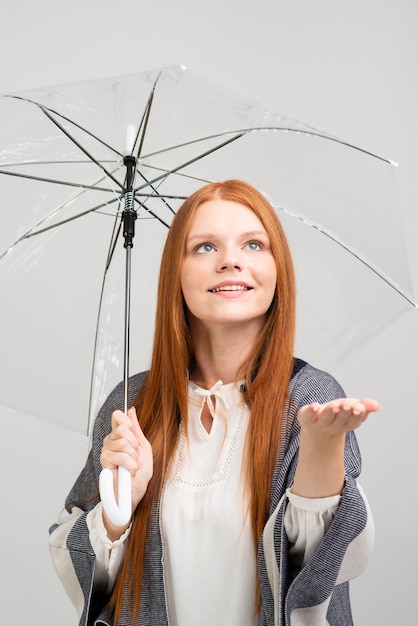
[[246, 509]]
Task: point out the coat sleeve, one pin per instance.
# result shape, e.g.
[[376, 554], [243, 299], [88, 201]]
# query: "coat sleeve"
[[71, 550], [319, 592]]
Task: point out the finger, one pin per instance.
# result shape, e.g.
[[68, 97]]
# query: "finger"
[[122, 439], [318, 412], [328, 412], [347, 407], [119, 453], [137, 430], [121, 446], [134, 422], [338, 416], [119, 418], [371, 405], [124, 426], [366, 404], [361, 408], [353, 413], [112, 460]]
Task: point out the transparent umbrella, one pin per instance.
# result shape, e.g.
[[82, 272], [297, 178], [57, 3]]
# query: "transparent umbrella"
[[66, 181]]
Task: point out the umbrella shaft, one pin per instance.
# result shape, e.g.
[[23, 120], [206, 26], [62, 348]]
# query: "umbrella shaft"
[[127, 325], [129, 217]]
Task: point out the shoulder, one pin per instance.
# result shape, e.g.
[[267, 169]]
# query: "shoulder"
[[310, 384], [116, 398], [135, 385]]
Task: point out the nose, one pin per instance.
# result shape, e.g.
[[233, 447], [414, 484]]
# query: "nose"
[[230, 259]]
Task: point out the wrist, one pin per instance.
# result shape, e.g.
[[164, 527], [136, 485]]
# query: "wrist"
[[322, 443], [320, 470], [113, 532]]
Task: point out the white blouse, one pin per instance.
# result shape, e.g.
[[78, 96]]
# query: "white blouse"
[[209, 556]]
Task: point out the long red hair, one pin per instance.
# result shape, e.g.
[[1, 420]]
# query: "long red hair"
[[163, 399]]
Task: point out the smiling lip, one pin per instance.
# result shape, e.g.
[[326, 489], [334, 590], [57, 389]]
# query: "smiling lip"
[[230, 287]]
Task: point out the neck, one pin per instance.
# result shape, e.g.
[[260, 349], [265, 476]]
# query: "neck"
[[219, 353]]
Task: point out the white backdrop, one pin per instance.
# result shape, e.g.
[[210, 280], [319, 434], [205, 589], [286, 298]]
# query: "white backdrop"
[[347, 68]]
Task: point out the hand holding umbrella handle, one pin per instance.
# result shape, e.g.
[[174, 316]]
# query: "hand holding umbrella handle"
[[119, 513]]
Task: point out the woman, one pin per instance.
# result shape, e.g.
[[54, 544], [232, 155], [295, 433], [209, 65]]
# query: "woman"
[[245, 507]]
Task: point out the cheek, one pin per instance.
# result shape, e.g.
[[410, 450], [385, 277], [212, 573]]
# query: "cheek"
[[271, 278], [188, 283]]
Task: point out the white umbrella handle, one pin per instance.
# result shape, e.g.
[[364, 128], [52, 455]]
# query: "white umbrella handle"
[[119, 512]]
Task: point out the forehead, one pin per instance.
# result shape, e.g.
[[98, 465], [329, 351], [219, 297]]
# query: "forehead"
[[225, 215]]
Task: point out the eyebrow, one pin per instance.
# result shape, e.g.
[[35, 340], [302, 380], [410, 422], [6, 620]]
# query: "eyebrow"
[[251, 233]]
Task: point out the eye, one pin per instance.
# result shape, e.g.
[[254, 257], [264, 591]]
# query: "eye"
[[254, 245], [204, 248]]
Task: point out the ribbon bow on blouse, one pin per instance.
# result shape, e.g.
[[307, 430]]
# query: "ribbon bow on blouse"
[[209, 394]]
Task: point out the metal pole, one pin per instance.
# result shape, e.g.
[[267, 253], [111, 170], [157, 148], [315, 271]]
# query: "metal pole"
[[120, 512]]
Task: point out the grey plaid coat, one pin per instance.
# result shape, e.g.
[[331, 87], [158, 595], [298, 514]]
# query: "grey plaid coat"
[[317, 596]]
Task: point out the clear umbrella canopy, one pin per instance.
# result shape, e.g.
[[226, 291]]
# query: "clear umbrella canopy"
[[62, 177]]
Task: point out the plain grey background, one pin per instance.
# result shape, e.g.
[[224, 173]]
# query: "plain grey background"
[[349, 68]]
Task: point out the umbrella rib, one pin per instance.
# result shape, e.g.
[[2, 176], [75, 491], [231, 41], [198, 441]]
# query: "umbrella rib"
[[284, 129], [94, 209], [30, 233], [353, 252], [168, 172], [345, 143], [238, 135], [164, 177], [151, 212], [191, 161], [143, 126], [55, 181], [78, 144], [310, 131], [169, 196], [189, 176], [372, 268], [49, 113], [112, 246], [52, 162], [145, 119], [44, 109], [155, 194]]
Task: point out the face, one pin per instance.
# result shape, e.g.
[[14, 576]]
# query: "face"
[[229, 273]]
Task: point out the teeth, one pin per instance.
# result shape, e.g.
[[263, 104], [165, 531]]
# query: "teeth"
[[230, 288]]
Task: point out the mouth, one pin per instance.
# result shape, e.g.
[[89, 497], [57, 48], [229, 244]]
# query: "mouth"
[[230, 288]]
